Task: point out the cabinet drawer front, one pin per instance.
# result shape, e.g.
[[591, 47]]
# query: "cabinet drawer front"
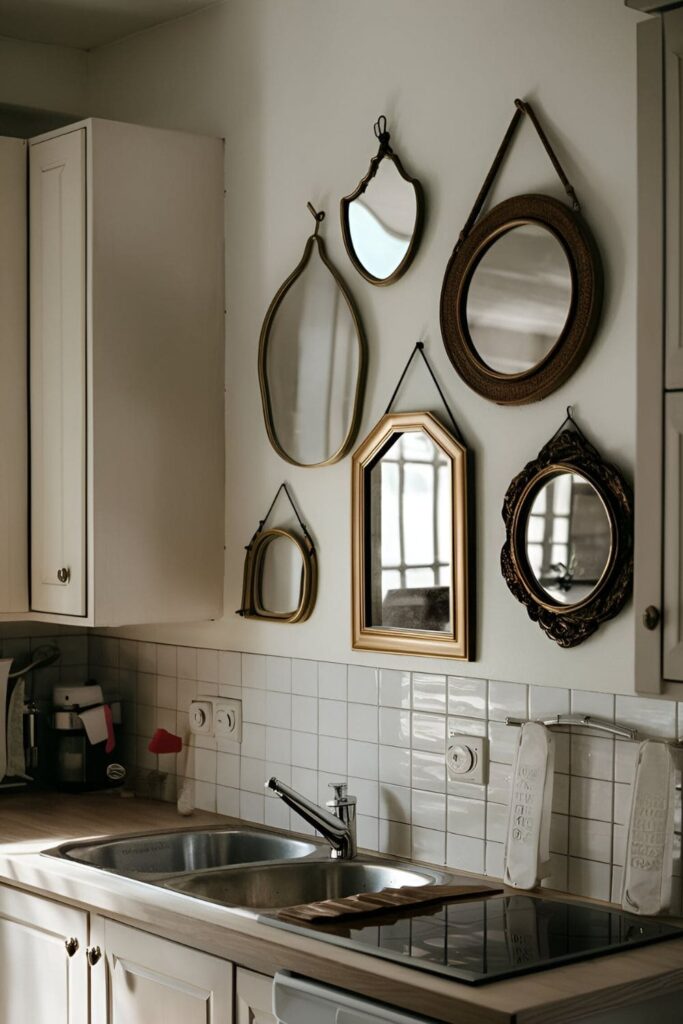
[[58, 374]]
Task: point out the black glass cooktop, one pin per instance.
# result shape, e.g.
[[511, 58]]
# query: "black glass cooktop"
[[481, 940]]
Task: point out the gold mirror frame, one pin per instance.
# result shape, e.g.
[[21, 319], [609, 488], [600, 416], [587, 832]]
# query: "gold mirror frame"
[[457, 643], [313, 240], [570, 625], [385, 152], [252, 588]]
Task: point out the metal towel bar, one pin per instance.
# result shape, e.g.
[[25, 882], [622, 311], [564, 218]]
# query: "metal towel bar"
[[586, 721]]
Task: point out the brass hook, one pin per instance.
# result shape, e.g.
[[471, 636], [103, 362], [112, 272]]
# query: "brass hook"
[[319, 217]]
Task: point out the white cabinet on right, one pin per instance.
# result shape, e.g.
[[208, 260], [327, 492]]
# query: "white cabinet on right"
[[673, 536]]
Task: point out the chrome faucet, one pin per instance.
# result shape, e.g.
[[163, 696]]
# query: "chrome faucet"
[[339, 828]]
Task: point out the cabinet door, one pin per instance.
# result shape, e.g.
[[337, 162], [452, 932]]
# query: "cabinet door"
[[13, 404], [673, 538], [254, 998], [673, 89], [58, 374], [40, 983], [142, 979]]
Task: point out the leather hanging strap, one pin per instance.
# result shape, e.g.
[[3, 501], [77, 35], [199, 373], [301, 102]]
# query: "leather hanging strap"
[[521, 107]]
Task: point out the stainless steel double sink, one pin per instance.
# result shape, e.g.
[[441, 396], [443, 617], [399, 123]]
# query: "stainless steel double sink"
[[249, 868]]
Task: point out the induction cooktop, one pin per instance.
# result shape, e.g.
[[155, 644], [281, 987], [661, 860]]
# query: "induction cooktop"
[[487, 939]]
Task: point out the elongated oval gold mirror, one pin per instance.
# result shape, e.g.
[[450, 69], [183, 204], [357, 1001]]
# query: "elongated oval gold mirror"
[[312, 362], [382, 218], [411, 572]]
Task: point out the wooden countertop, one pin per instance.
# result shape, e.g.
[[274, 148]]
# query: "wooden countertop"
[[33, 822]]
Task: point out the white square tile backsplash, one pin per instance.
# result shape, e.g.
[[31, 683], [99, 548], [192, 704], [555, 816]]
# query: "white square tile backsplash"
[[385, 731]]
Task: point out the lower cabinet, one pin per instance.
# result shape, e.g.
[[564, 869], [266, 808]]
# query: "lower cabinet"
[[142, 979], [253, 998], [43, 961]]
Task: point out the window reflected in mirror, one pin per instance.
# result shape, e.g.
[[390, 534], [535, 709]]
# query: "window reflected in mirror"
[[568, 538], [410, 548]]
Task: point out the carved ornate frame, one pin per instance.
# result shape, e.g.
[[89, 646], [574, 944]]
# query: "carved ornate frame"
[[569, 625]]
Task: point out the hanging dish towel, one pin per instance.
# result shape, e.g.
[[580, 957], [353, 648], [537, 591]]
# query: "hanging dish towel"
[[16, 757], [527, 850], [648, 864], [5, 666]]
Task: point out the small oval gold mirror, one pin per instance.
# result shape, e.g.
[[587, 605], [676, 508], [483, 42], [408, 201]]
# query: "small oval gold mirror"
[[312, 361], [382, 218], [280, 572]]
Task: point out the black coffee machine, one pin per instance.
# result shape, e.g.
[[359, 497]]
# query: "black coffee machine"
[[87, 734]]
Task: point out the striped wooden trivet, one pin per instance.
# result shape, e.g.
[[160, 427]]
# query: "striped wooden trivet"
[[408, 896]]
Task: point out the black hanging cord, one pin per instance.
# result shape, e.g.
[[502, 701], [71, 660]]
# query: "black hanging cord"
[[282, 487], [569, 418], [382, 134], [419, 347]]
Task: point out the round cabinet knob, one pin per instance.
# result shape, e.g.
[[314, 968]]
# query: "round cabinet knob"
[[94, 955], [71, 946], [651, 617], [64, 575]]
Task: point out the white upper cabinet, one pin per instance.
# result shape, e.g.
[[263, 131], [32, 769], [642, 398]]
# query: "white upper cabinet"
[[127, 375], [673, 536], [58, 375], [13, 400], [673, 87]]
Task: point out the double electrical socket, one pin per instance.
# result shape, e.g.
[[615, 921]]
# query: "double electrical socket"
[[216, 716]]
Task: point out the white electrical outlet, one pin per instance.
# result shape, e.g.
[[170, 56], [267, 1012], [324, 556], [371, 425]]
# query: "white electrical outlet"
[[201, 717], [216, 716], [467, 759], [227, 719]]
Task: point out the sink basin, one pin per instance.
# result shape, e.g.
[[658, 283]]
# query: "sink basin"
[[174, 852], [285, 885]]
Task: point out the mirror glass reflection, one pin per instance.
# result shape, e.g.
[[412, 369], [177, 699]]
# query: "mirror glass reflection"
[[519, 298], [568, 538], [382, 221], [312, 366], [410, 536], [281, 575]]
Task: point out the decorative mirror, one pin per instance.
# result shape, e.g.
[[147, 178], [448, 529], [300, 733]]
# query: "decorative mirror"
[[568, 555], [312, 362], [522, 293], [382, 218], [410, 551], [280, 572]]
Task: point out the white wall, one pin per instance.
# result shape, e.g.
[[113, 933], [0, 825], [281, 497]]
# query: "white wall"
[[42, 77], [295, 86]]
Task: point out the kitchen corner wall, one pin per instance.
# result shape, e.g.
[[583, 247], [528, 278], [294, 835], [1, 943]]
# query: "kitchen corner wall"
[[294, 88], [384, 731]]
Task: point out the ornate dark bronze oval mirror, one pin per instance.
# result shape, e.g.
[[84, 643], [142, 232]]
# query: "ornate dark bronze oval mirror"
[[522, 293], [312, 362], [410, 557], [568, 555], [382, 218]]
